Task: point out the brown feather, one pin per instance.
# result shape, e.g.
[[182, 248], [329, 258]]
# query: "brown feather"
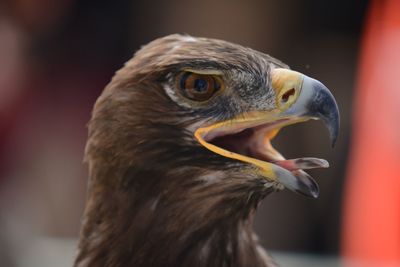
[[147, 202]]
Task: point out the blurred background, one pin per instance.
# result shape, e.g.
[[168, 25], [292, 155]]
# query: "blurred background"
[[57, 56]]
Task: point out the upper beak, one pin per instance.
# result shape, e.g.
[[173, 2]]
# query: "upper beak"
[[298, 98], [315, 101]]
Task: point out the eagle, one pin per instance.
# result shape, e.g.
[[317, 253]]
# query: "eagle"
[[179, 154]]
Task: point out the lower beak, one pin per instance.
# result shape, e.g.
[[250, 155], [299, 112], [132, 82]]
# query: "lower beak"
[[304, 99]]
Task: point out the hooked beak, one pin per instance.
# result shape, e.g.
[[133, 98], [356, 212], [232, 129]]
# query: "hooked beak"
[[248, 137]]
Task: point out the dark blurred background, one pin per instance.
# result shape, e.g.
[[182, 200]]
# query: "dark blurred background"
[[57, 56]]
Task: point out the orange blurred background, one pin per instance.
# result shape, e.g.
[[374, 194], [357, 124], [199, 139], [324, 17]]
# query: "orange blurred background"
[[371, 215], [57, 56]]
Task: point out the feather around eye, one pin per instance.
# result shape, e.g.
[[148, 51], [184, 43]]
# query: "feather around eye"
[[198, 87]]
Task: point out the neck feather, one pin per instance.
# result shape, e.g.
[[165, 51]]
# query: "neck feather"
[[188, 217]]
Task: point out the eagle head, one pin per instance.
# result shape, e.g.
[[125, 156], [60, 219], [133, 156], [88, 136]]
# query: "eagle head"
[[180, 155]]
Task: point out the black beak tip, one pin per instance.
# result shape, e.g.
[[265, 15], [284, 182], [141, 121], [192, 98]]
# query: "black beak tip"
[[324, 106], [310, 194], [334, 131], [307, 186], [333, 143]]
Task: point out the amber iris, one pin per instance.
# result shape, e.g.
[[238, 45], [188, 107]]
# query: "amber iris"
[[198, 87]]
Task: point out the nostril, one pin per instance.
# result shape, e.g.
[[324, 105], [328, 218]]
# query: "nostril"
[[287, 95]]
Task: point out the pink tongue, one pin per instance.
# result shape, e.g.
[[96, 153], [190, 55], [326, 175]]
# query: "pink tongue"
[[302, 163]]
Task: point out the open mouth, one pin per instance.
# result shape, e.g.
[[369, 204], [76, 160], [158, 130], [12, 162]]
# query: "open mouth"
[[250, 141], [255, 143], [247, 138]]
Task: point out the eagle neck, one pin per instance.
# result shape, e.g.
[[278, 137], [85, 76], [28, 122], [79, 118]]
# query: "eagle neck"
[[145, 223]]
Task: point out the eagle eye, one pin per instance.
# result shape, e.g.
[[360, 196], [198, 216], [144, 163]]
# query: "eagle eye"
[[198, 87]]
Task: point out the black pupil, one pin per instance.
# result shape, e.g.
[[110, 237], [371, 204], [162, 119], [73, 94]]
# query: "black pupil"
[[200, 85]]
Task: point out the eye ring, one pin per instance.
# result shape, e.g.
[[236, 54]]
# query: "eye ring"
[[198, 87]]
